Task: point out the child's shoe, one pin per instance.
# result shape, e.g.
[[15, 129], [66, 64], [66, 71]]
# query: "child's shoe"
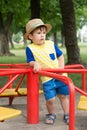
[[66, 118]]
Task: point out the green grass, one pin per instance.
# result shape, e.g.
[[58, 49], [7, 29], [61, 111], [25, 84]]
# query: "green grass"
[[20, 57], [83, 53], [76, 78]]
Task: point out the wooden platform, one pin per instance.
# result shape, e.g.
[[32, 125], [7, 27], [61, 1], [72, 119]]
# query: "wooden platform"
[[6, 113], [82, 105], [12, 92]]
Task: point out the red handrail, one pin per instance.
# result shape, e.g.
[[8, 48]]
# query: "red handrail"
[[70, 84], [8, 83], [32, 86]]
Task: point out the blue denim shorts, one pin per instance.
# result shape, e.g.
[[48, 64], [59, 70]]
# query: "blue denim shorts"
[[54, 87]]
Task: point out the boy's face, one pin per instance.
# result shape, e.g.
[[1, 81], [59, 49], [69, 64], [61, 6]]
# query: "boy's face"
[[38, 35]]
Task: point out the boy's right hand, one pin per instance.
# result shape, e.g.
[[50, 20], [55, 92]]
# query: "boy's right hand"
[[36, 67]]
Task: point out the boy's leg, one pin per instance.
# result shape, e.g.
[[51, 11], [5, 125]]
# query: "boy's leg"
[[50, 94], [63, 94], [50, 118], [50, 105], [64, 100]]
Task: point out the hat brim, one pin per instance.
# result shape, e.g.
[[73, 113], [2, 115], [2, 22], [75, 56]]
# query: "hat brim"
[[48, 26]]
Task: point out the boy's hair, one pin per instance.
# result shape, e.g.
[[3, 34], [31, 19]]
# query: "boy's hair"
[[40, 27]]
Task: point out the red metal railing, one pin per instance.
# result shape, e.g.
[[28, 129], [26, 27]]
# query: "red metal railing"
[[70, 84], [32, 87]]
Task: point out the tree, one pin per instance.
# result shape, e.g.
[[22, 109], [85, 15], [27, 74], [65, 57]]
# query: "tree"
[[10, 13], [19, 13], [69, 26], [50, 13], [4, 31], [80, 12], [35, 8]]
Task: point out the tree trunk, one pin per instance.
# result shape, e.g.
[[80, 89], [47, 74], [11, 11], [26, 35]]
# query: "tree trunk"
[[10, 40], [4, 30], [62, 37], [55, 38], [4, 48], [68, 18], [35, 8]]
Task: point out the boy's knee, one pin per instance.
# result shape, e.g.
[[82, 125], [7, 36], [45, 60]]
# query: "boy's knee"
[[52, 100], [62, 96]]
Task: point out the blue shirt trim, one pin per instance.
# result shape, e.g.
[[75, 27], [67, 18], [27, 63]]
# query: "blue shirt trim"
[[58, 51], [30, 56]]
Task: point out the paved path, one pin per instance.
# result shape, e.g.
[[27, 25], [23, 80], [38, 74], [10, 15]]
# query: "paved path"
[[20, 122]]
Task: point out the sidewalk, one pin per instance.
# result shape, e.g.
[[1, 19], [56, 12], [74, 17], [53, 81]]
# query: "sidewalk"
[[20, 122]]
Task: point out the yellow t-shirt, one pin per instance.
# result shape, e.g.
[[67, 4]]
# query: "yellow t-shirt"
[[46, 56]]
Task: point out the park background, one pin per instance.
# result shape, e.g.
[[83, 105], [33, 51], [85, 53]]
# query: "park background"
[[67, 17]]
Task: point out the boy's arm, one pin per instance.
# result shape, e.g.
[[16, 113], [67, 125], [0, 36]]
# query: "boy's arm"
[[31, 61], [36, 66], [61, 64], [60, 57], [61, 61]]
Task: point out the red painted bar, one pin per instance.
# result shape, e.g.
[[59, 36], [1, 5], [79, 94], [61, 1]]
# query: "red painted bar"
[[74, 66], [70, 84], [84, 81], [81, 91], [33, 90], [32, 98], [8, 83]]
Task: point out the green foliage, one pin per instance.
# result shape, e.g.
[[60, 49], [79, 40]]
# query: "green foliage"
[[19, 8], [18, 37], [50, 12], [80, 12]]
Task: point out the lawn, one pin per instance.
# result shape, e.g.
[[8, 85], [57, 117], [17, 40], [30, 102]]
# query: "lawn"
[[20, 57], [76, 78], [83, 52]]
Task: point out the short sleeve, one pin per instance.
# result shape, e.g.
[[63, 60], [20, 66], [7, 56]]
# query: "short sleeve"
[[58, 51], [29, 55]]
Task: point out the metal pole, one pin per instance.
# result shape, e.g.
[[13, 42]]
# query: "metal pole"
[[32, 98]]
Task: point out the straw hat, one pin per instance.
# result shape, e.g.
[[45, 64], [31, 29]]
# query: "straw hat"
[[33, 24]]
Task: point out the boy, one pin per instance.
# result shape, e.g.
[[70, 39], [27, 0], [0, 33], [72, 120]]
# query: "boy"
[[45, 54]]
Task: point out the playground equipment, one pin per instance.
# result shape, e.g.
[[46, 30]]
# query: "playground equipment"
[[8, 90], [82, 105], [6, 113], [33, 90]]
